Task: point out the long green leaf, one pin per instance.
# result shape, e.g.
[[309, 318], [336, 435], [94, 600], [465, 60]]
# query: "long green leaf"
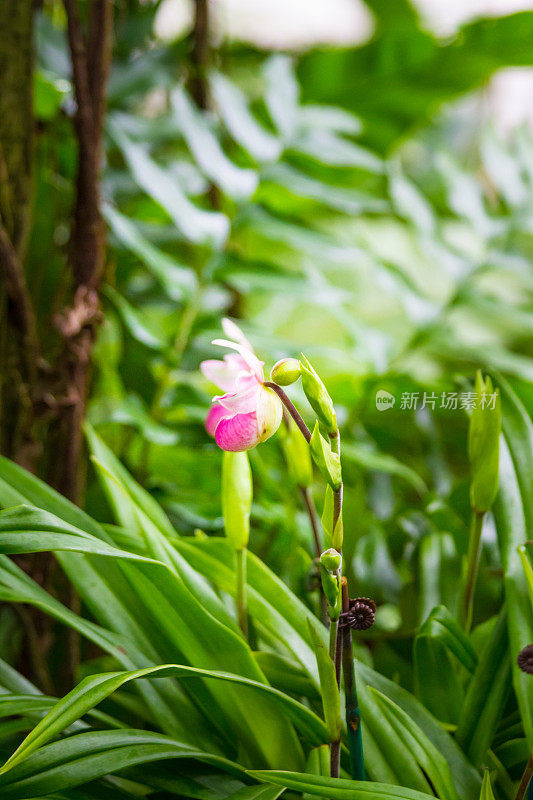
[[486, 695], [510, 515], [95, 688], [183, 626], [431, 761], [486, 788], [84, 757], [465, 776], [30, 530], [271, 603], [338, 788]]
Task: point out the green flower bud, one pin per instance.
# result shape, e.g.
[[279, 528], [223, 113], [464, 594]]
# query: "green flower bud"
[[333, 537], [327, 461], [331, 560], [332, 591], [236, 497], [297, 455], [318, 397], [483, 445], [285, 372]]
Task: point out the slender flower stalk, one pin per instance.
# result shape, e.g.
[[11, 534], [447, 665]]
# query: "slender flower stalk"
[[291, 408], [237, 492], [310, 507], [300, 467], [339, 640], [483, 453], [333, 627], [472, 568], [353, 716], [240, 594]]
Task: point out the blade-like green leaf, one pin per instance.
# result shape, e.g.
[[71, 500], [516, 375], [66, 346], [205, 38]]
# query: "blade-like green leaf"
[[465, 776], [431, 761], [197, 225], [442, 626], [510, 515], [331, 699], [181, 625], [270, 601], [436, 677], [232, 180], [31, 530], [486, 695], [93, 689], [337, 788], [486, 788], [241, 124], [85, 757], [175, 279], [138, 324], [438, 569]]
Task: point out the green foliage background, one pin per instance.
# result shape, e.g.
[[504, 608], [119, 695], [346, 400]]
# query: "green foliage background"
[[323, 201]]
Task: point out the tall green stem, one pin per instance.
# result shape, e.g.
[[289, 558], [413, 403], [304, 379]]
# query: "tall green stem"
[[240, 595], [337, 649], [472, 568], [335, 644], [353, 716], [334, 624], [310, 507]]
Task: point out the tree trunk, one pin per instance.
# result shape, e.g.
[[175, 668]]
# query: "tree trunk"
[[91, 61], [19, 347], [16, 119]]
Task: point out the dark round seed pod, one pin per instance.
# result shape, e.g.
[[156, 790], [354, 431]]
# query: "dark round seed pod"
[[525, 659], [367, 600], [360, 615]]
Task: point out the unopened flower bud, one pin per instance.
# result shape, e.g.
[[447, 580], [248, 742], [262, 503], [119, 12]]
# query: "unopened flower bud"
[[236, 497], [317, 395], [331, 559], [483, 445], [332, 591], [285, 372], [326, 460]]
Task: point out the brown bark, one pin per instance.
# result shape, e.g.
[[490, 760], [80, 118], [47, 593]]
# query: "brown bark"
[[91, 58], [200, 54], [23, 316], [20, 349], [16, 119]]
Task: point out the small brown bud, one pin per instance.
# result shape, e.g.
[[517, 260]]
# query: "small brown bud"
[[525, 659], [360, 615]]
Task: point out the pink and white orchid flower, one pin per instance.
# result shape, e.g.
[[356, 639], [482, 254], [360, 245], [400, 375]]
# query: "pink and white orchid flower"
[[248, 412]]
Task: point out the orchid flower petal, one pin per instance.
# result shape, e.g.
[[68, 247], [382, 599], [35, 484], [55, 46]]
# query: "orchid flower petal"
[[242, 402], [224, 374], [215, 414], [234, 333], [237, 433], [251, 359], [269, 411]]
